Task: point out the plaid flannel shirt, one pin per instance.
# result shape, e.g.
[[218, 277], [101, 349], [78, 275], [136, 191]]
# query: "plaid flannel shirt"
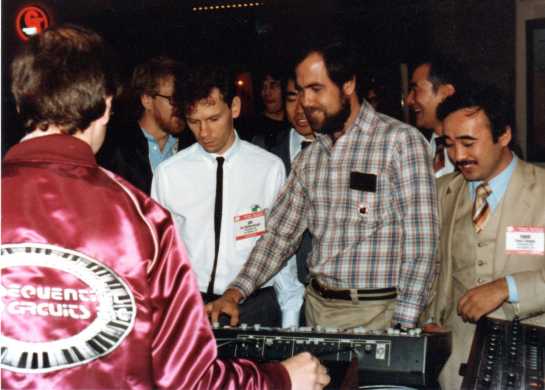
[[363, 237]]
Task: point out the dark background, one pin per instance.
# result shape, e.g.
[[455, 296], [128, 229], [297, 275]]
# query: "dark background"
[[386, 33]]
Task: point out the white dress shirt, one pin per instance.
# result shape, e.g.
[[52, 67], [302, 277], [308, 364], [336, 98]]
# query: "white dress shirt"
[[449, 167], [186, 185]]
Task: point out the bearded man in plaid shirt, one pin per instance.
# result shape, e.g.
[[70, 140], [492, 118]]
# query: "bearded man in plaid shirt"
[[366, 192]]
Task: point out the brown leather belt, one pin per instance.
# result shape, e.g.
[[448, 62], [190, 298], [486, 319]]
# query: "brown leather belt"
[[367, 294]]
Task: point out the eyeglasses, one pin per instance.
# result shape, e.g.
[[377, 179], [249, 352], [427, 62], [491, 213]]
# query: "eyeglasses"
[[169, 98]]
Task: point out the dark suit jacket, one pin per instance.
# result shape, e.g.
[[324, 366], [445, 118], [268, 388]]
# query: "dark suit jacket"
[[125, 152], [282, 150]]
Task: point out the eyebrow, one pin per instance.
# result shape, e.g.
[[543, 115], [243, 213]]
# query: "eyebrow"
[[466, 137]]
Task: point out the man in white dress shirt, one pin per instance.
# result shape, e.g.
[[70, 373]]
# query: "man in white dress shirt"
[[219, 191], [432, 81]]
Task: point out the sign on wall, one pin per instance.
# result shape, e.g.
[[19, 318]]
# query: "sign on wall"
[[31, 20]]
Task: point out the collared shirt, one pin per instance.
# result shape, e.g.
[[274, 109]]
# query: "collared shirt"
[[499, 185], [366, 234], [156, 155], [295, 143], [186, 185], [449, 166]]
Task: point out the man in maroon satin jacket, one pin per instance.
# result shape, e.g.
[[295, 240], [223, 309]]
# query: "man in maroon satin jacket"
[[97, 291]]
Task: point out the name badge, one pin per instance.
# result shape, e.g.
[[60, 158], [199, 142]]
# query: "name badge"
[[525, 240], [250, 225]]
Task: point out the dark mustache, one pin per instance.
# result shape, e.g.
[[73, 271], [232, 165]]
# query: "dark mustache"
[[463, 163]]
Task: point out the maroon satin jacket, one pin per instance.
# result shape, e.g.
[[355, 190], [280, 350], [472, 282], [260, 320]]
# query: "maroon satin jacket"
[[97, 291]]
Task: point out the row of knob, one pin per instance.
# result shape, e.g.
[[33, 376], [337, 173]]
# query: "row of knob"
[[415, 332]]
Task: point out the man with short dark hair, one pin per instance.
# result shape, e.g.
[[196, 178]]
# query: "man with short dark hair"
[[493, 225], [100, 293], [365, 191], [433, 80], [268, 128], [134, 151], [299, 137], [219, 192]]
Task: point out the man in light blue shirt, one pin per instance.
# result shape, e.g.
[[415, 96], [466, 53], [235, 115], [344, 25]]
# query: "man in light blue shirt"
[[492, 249], [133, 150]]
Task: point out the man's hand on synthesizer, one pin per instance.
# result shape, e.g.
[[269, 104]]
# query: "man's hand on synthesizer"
[[306, 372], [226, 304]]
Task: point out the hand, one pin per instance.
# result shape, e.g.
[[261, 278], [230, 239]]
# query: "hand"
[[306, 372], [433, 328], [482, 300], [226, 304]]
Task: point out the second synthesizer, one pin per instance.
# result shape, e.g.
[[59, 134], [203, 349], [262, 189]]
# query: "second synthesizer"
[[385, 357]]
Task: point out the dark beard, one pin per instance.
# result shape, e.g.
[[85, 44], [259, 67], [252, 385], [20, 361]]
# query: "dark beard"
[[334, 123]]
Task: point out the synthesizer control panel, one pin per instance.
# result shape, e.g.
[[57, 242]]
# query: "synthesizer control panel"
[[392, 357], [506, 355]]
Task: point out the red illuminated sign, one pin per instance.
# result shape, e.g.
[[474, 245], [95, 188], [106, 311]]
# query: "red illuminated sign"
[[31, 20]]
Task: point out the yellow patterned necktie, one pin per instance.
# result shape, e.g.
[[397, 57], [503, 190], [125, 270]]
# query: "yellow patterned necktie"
[[481, 209]]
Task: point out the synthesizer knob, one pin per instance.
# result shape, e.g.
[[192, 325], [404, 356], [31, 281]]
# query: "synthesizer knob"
[[319, 328], [360, 330], [216, 325], [243, 326], [390, 331], [257, 326], [331, 330], [487, 380]]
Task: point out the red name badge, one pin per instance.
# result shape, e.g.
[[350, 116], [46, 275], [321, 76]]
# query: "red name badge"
[[250, 225]]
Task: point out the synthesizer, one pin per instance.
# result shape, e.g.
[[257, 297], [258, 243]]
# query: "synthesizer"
[[506, 355], [384, 357]]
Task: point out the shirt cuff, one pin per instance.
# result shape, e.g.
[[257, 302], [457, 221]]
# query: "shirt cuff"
[[513, 291], [290, 318], [406, 314]]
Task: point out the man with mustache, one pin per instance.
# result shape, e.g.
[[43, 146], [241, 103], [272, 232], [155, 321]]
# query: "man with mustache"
[[366, 192], [492, 227]]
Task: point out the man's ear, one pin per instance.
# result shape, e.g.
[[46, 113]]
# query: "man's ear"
[[146, 101], [505, 138], [349, 86], [105, 118], [447, 90], [236, 106]]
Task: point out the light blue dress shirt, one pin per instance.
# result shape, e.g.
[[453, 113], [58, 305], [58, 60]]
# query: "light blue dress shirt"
[[498, 185], [295, 143], [156, 155]]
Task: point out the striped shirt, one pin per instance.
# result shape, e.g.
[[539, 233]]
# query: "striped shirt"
[[363, 237]]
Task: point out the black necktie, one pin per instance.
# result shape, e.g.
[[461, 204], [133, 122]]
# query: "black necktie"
[[304, 144], [217, 221]]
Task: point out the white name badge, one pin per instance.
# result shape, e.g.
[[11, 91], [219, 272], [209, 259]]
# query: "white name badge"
[[525, 240], [250, 225]]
